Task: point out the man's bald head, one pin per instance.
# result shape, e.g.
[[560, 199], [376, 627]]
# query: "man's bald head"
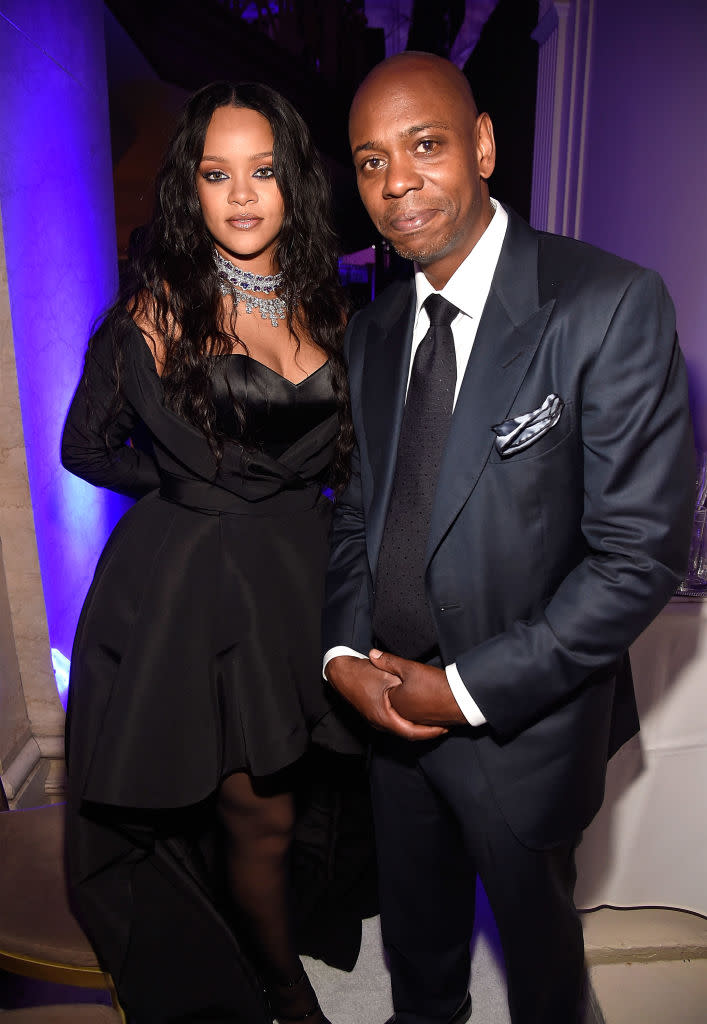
[[423, 154], [414, 65]]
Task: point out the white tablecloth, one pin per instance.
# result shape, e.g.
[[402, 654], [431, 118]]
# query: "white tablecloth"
[[648, 844]]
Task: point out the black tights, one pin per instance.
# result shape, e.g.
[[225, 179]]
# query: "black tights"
[[258, 818]]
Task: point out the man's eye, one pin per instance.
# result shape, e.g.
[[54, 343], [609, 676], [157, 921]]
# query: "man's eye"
[[427, 145], [372, 164]]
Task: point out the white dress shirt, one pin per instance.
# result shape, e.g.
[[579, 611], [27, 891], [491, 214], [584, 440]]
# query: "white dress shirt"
[[467, 289]]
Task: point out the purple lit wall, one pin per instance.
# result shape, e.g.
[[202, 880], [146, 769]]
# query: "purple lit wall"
[[646, 146], [56, 201]]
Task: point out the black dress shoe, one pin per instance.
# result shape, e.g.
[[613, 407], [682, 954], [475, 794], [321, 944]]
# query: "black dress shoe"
[[461, 1016]]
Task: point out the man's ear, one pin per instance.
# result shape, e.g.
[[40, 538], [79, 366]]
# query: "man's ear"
[[485, 146]]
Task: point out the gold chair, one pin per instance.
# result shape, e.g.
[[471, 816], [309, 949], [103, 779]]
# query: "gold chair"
[[39, 936], [69, 1014]]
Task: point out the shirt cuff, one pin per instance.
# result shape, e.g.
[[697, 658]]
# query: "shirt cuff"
[[337, 652], [467, 705]]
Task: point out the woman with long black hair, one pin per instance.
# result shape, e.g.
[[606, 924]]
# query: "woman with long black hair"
[[214, 391]]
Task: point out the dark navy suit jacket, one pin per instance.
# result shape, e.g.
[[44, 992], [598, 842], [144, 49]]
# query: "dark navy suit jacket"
[[542, 566]]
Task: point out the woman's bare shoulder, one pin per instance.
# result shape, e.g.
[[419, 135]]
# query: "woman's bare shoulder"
[[143, 310]]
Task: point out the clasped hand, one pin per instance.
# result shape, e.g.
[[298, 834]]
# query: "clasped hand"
[[396, 695]]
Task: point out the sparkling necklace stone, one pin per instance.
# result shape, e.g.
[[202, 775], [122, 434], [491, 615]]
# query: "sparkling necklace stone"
[[244, 279], [274, 309], [233, 280]]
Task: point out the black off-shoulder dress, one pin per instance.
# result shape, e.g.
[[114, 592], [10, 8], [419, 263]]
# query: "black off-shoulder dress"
[[198, 654]]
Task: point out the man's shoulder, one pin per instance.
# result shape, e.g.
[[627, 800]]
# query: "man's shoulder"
[[392, 302], [582, 280], [573, 250], [386, 310], [570, 264]]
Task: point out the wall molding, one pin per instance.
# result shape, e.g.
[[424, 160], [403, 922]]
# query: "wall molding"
[[564, 34], [17, 771]]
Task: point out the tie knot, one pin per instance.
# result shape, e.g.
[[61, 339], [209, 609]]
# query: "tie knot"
[[439, 310]]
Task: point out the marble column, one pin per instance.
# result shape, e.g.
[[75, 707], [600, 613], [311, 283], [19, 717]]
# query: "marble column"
[[59, 273], [31, 717]]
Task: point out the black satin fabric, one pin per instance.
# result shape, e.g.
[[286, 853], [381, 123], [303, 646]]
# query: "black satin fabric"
[[197, 654], [277, 412]]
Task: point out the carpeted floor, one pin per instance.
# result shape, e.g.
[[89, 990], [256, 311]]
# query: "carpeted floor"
[[363, 997]]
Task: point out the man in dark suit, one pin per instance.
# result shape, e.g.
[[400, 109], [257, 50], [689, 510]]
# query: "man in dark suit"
[[518, 512]]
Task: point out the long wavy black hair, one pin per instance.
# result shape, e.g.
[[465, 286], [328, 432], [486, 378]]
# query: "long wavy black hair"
[[171, 280]]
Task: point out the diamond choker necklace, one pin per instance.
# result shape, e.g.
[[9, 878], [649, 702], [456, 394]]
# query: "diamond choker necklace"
[[233, 279]]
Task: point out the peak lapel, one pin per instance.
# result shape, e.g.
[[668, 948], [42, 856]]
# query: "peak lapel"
[[509, 332]]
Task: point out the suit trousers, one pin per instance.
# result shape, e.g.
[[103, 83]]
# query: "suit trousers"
[[437, 827]]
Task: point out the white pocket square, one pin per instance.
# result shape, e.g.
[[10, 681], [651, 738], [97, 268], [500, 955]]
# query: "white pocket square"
[[520, 432]]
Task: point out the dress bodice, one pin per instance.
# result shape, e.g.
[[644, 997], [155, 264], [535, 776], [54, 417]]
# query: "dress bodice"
[[288, 442], [277, 412]]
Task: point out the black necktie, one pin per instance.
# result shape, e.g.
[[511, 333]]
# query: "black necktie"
[[402, 623]]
